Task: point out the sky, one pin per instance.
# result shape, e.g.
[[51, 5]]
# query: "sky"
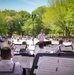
[[18, 5]]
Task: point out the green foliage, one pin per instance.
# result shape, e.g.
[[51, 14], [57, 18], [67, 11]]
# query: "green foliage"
[[56, 19], [2, 24], [12, 21], [9, 12], [60, 14], [39, 11], [38, 24], [27, 27], [24, 16]]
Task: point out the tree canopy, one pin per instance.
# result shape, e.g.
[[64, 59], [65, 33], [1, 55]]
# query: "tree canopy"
[[57, 19]]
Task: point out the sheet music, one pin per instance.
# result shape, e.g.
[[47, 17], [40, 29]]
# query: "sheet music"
[[55, 66], [52, 47], [66, 66], [47, 66], [31, 61], [63, 48], [16, 58], [17, 47], [23, 46], [26, 62]]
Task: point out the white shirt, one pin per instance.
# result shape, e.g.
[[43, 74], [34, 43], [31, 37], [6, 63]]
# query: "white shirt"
[[58, 48], [1, 44], [39, 50], [73, 45], [7, 65], [41, 36]]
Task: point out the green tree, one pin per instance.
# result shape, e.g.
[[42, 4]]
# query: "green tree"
[[60, 14], [9, 12], [24, 16], [27, 27], [3, 29], [38, 24]]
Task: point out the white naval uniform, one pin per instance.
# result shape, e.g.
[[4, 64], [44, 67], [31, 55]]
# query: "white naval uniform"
[[58, 48], [7, 66], [41, 36], [39, 50]]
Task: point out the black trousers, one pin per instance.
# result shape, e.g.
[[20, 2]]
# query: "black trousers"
[[24, 71]]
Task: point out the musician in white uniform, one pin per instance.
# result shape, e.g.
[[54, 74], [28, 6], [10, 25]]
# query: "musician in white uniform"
[[7, 66], [40, 49], [58, 48]]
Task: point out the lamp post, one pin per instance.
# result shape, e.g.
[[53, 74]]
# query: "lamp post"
[[33, 18]]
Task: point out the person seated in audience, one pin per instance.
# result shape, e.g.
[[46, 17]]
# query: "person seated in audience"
[[7, 66], [40, 48], [58, 48]]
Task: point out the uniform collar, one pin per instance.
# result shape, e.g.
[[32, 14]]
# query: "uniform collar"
[[6, 65], [7, 61]]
